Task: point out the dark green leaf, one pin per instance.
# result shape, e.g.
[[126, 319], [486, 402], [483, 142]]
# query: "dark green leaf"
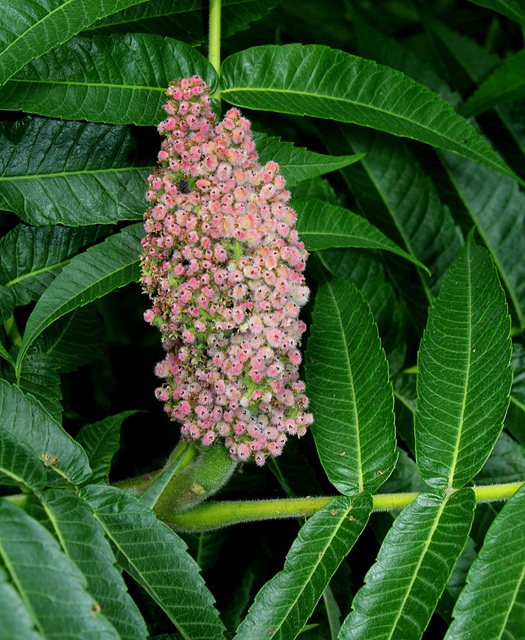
[[15, 621], [506, 463], [414, 563], [30, 28], [19, 464], [90, 275], [156, 557], [492, 604], [509, 8], [507, 83], [100, 441], [497, 208], [396, 196], [53, 589], [515, 419], [117, 80], [27, 421], [464, 375], [31, 257], [322, 225], [82, 539], [285, 603], [295, 163], [320, 82], [39, 378], [351, 396], [70, 173], [73, 340], [187, 19]]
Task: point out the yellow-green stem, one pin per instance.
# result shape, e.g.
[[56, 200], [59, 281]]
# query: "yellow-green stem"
[[12, 331], [214, 50], [213, 515]]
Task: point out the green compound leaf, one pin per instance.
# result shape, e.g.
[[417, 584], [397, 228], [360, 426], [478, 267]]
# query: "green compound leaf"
[[100, 441], [70, 173], [31, 257], [82, 539], [19, 464], [90, 275], [413, 566], [187, 19], [15, 621], [52, 588], [491, 606], [323, 226], [120, 79], [27, 421], [156, 557], [464, 372], [321, 82], [285, 603], [30, 28], [295, 163], [507, 83], [350, 394]]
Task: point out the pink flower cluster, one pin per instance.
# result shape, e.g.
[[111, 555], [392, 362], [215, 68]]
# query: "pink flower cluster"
[[222, 264]]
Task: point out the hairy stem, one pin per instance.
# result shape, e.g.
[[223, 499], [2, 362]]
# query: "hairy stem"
[[219, 514]]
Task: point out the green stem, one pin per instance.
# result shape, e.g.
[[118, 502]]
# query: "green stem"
[[12, 331], [219, 514], [214, 50]]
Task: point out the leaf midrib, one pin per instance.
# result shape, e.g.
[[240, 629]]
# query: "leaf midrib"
[[66, 174], [352, 391], [78, 83], [418, 566], [35, 273]]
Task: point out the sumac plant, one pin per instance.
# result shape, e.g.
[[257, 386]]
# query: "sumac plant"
[[262, 294]]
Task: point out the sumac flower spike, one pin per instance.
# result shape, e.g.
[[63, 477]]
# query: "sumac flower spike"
[[223, 267]]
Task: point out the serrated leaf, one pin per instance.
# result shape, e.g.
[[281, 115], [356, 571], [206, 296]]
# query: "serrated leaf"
[[464, 372], [509, 8], [27, 421], [285, 603], [156, 557], [15, 621], [497, 208], [19, 465], [30, 28], [38, 568], [322, 225], [505, 84], [515, 418], [121, 79], [90, 275], [186, 18], [414, 563], [506, 463], [100, 441], [82, 539], [70, 173], [31, 257], [350, 394], [492, 603], [296, 163], [317, 81], [73, 340]]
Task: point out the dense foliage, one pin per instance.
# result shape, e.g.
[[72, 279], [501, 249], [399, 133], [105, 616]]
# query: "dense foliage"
[[399, 513]]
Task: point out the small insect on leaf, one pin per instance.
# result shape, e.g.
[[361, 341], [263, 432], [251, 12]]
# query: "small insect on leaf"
[[49, 460], [184, 186], [95, 609]]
